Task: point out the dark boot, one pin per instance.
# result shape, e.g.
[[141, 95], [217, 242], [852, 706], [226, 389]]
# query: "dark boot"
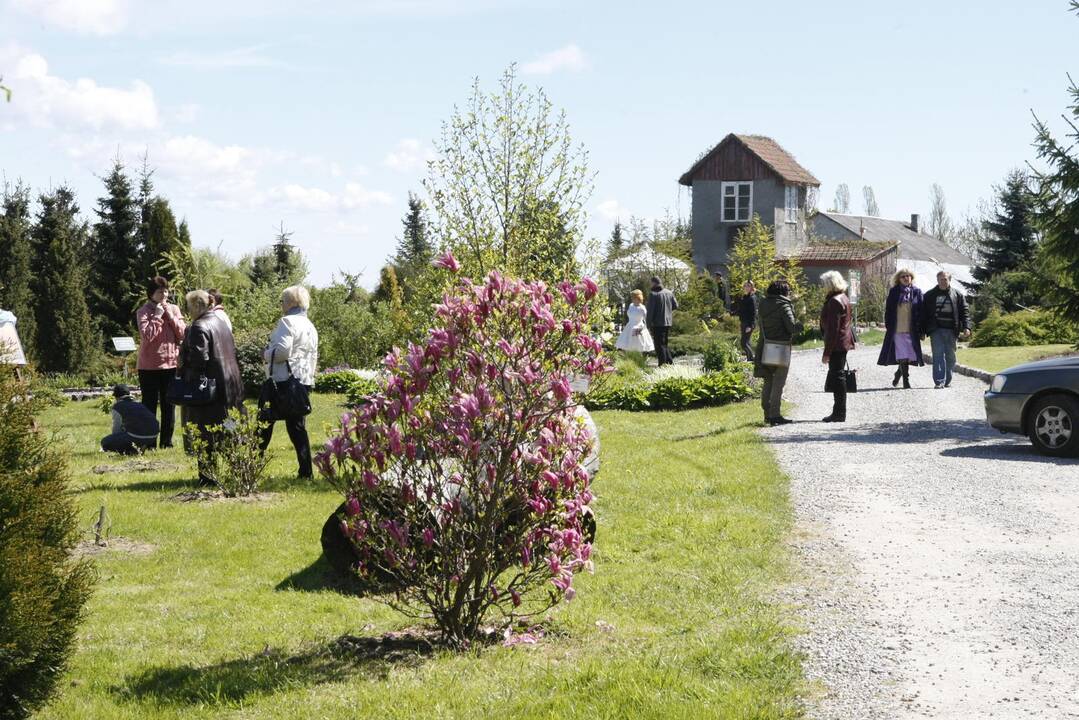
[[898, 374], [906, 375]]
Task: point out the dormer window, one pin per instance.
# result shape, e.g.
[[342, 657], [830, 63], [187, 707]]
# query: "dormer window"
[[737, 201]]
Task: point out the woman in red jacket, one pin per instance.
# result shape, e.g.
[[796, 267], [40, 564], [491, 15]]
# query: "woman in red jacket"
[[161, 330], [838, 341]]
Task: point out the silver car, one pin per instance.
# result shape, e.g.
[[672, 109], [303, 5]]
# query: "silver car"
[[1039, 400]]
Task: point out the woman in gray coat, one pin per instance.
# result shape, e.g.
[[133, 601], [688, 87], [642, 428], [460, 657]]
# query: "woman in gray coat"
[[775, 316]]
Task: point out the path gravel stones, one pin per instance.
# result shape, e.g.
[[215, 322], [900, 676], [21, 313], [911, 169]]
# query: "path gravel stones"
[[940, 559]]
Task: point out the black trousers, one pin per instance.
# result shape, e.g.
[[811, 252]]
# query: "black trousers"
[[660, 336], [837, 380], [297, 433], [154, 385], [747, 343], [125, 444]]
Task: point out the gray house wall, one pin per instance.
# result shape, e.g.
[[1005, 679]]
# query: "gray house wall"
[[713, 238]]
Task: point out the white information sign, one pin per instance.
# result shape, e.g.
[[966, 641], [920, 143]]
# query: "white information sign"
[[123, 344]]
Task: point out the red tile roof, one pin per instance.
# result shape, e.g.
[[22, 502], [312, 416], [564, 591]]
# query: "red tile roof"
[[853, 250]]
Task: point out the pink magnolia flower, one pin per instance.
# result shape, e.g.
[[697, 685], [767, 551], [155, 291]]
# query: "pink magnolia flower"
[[448, 262], [590, 287], [352, 507]]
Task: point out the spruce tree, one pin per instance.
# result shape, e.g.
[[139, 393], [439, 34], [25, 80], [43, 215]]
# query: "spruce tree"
[[66, 341], [616, 242], [1058, 211], [279, 266], [161, 235], [415, 250], [117, 263], [1011, 238], [16, 270]]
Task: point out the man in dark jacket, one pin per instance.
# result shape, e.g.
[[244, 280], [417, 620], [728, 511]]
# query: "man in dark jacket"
[[747, 317], [660, 311], [946, 320], [134, 427]]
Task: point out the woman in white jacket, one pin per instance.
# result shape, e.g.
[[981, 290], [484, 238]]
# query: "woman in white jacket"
[[293, 348]]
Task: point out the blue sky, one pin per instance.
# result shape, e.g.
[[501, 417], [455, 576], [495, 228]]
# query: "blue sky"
[[322, 114]]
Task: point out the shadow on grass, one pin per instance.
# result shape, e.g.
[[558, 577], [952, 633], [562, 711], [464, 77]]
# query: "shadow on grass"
[[230, 682], [713, 433], [320, 576]]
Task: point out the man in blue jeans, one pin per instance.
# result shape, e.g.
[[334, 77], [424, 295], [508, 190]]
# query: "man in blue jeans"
[[945, 320]]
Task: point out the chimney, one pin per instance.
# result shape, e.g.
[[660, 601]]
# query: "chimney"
[[861, 228], [914, 227]]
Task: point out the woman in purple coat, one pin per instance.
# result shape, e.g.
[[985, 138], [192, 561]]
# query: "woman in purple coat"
[[903, 323]]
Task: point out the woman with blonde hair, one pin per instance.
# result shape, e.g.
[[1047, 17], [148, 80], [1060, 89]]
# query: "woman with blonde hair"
[[209, 351], [838, 341], [293, 351], [903, 324], [635, 336]]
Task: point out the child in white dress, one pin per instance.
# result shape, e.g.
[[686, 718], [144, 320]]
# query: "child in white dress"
[[635, 336]]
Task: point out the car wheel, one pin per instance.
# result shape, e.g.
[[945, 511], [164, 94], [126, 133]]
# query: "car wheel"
[[1054, 426]]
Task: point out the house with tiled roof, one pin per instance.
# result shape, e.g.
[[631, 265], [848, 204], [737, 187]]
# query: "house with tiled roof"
[[916, 250], [741, 176]]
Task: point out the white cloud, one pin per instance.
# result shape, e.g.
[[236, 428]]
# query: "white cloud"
[[570, 58], [187, 113], [611, 210], [313, 199], [245, 57], [94, 17], [408, 156], [48, 100]]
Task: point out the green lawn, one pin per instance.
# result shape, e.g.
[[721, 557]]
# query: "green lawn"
[[995, 359], [870, 336], [226, 615]]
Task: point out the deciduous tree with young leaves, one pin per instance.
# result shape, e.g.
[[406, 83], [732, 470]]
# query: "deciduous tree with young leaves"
[[509, 185]]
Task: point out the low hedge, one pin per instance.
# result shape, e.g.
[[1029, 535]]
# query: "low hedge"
[[336, 381], [1026, 327], [674, 393], [361, 389]]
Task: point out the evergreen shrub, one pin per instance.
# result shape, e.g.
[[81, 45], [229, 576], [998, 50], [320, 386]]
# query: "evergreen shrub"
[[673, 393], [43, 590], [1026, 327]]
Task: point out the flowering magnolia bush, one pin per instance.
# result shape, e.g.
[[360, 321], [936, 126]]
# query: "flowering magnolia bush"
[[463, 476]]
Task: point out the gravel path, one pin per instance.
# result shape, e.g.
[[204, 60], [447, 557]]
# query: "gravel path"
[[941, 559]]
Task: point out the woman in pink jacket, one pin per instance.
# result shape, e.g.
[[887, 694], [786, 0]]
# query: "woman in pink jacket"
[[161, 330]]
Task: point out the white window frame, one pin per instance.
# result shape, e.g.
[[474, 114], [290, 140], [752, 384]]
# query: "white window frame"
[[790, 203], [723, 204]]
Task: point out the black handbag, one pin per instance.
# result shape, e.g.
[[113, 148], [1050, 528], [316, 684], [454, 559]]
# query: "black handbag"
[[287, 399], [191, 394], [848, 377]]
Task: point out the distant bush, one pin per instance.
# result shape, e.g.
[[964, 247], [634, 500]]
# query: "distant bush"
[[721, 354], [249, 347], [672, 393], [42, 590], [361, 390], [342, 380], [1026, 327], [694, 344]]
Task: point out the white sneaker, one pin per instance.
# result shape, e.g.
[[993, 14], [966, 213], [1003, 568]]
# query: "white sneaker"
[[938, 386]]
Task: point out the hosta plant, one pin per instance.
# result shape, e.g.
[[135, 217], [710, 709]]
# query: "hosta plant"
[[463, 475]]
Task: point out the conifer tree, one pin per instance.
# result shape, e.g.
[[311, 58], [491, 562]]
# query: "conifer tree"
[[16, 270], [1058, 210], [65, 339], [1010, 236], [161, 236], [616, 242], [415, 250], [116, 258], [43, 590]]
